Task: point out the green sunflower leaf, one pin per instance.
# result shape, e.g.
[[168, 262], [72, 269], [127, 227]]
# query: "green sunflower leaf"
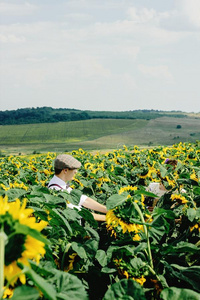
[[65, 285], [69, 287], [79, 250], [25, 293], [178, 294], [125, 289], [116, 200], [163, 171], [58, 219], [25, 230], [13, 194], [188, 275], [181, 247], [73, 197], [86, 214], [149, 194], [46, 288], [54, 201], [101, 257], [191, 213]]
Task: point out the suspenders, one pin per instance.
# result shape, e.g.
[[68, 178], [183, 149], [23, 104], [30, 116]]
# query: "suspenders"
[[55, 184]]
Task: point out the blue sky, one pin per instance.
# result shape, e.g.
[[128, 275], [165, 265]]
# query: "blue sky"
[[114, 55]]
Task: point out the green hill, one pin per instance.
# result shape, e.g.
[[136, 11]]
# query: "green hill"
[[54, 115], [97, 134]]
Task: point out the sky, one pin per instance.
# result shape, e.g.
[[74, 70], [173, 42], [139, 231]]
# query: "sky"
[[104, 55]]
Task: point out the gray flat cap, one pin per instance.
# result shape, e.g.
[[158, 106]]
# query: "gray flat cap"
[[63, 161]]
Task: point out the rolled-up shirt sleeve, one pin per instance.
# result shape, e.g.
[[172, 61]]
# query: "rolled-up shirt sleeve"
[[82, 199]]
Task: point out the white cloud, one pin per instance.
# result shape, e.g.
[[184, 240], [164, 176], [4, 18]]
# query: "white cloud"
[[124, 50], [85, 66], [184, 15], [156, 71], [188, 13], [128, 81], [141, 32], [11, 38], [36, 59], [191, 9], [27, 30], [99, 5], [103, 52], [17, 9], [79, 17], [144, 15]]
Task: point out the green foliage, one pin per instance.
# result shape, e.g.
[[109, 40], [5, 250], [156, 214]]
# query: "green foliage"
[[25, 293], [88, 260], [95, 134], [178, 294], [52, 115], [125, 289], [63, 132], [41, 115]]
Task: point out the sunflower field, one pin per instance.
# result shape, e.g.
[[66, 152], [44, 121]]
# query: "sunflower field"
[[148, 248]]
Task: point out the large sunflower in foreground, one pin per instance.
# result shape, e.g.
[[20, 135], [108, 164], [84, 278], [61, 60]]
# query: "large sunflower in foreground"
[[125, 219], [24, 241], [116, 224]]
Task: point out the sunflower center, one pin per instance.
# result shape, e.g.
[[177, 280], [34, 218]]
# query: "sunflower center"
[[14, 248], [15, 245], [126, 212]]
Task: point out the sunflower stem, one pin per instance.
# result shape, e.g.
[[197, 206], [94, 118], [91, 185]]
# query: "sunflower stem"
[[2, 260], [175, 182], [63, 257], [146, 234], [157, 276]]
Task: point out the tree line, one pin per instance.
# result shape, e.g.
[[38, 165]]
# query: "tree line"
[[50, 115]]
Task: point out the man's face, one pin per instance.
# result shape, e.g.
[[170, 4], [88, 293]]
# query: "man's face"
[[70, 173]]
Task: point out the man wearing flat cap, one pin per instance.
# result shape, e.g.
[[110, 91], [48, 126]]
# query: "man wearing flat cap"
[[65, 167]]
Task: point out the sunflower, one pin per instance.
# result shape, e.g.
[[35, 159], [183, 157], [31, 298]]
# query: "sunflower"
[[195, 227], [17, 222], [126, 270], [127, 189], [179, 198], [71, 262], [170, 181], [101, 180], [131, 189], [5, 188], [193, 176], [115, 224], [89, 166], [122, 219], [140, 280], [79, 182], [146, 173], [18, 185], [8, 293]]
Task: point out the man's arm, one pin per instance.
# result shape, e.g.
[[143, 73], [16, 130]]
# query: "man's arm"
[[99, 217], [94, 205]]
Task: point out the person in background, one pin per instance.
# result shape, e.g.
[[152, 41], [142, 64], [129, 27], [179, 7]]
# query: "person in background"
[[65, 167], [158, 188], [171, 162]]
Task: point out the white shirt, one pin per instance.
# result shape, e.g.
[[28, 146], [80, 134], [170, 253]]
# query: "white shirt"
[[156, 188], [59, 184]]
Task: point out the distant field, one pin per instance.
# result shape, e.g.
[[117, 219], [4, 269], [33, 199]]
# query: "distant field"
[[97, 134]]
